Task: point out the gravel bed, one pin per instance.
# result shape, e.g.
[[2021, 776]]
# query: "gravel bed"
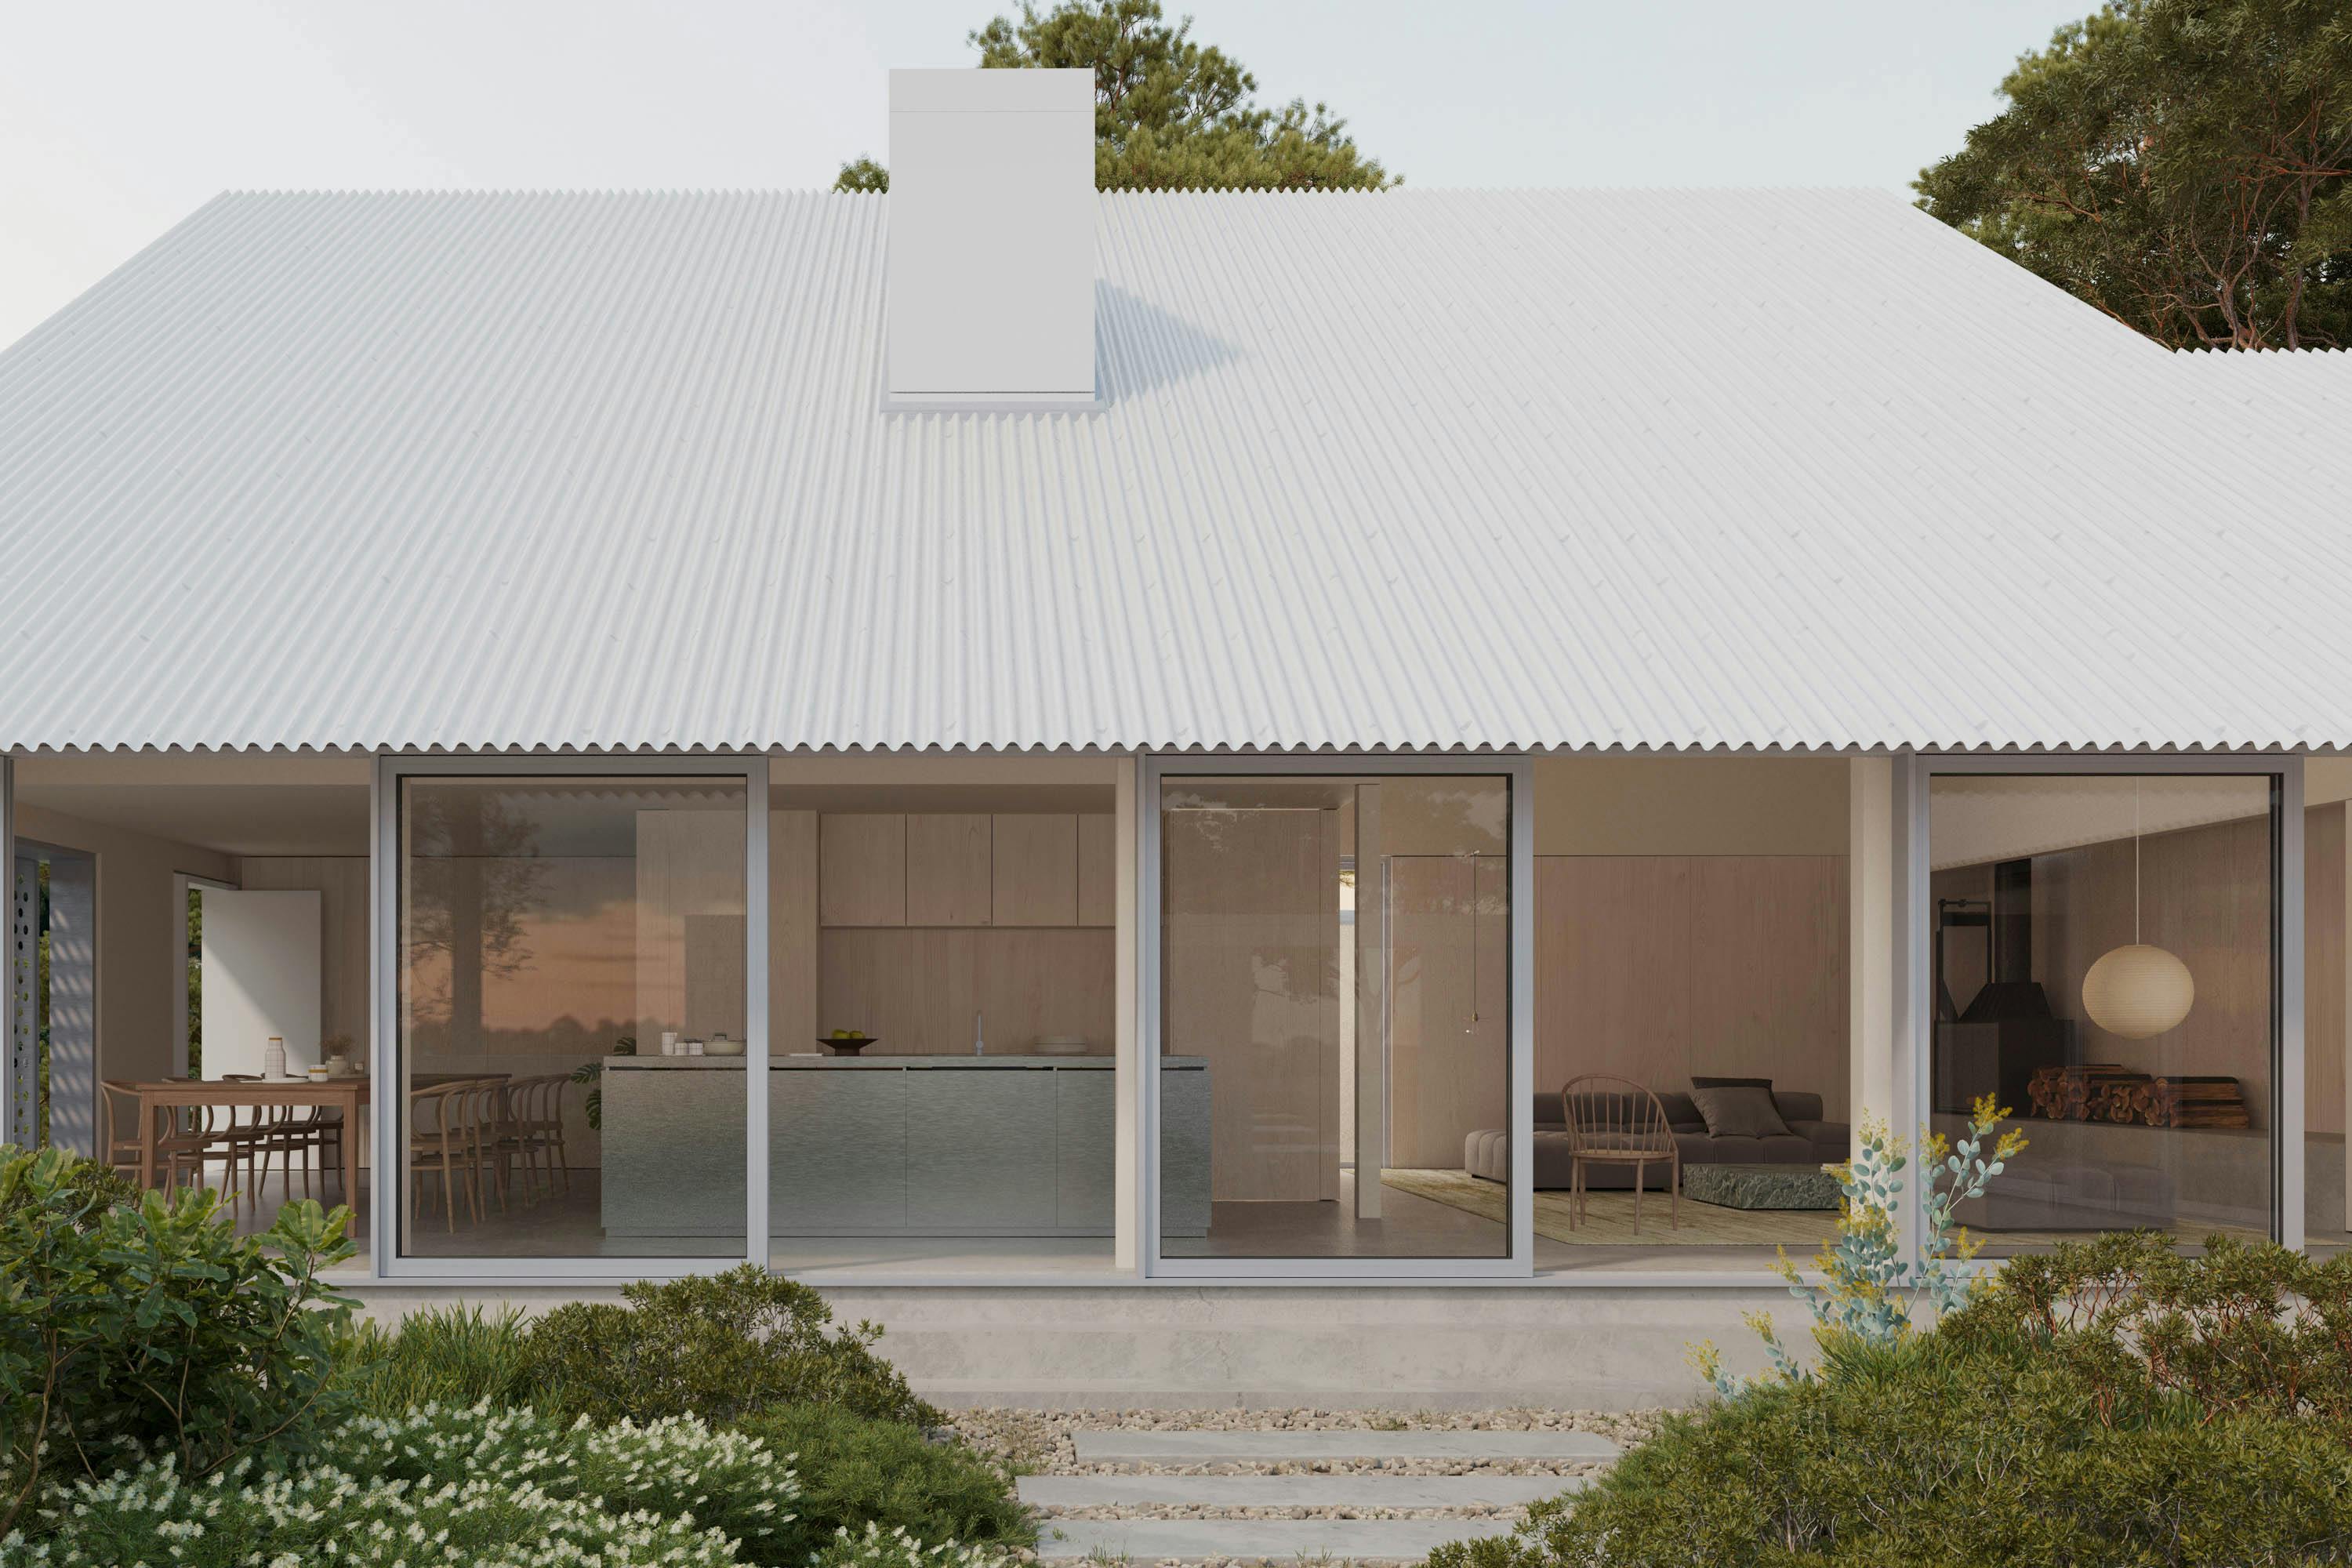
[[1196, 1510], [1039, 1440]]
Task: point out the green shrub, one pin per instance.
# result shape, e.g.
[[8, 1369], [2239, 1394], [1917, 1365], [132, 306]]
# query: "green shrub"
[[457, 1356], [460, 1487], [2134, 1325], [717, 1347], [874, 1547], [152, 1327], [2113, 1404], [855, 1471], [104, 1186]]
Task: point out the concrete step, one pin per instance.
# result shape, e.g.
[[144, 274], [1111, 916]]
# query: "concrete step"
[[1118, 1445], [1141, 1540], [1311, 1490]]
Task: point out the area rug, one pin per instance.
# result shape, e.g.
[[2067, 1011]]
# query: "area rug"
[[1609, 1217]]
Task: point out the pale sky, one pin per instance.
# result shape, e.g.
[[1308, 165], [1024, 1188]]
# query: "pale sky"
[[117, 118]]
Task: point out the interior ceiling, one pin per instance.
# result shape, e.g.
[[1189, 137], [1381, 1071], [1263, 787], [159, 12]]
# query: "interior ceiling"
[[1973, 819], [236, 819], [1007, 798]]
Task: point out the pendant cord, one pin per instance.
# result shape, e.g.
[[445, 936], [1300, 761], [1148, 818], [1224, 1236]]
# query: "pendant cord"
[[1474, 947], [2135, 833]]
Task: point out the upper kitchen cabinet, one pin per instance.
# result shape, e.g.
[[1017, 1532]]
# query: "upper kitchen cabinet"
[[862, 869], [949, 870], [1097, 870], [1036, 880]]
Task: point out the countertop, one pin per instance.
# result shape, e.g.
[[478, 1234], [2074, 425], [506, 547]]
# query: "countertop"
[[885, 1063]]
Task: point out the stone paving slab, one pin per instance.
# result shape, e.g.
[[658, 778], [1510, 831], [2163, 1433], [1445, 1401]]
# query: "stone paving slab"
[[1126, 1446], [1294, 1491], [1279, 1540]]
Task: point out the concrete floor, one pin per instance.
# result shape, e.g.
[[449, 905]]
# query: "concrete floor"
[[1409, 1226]]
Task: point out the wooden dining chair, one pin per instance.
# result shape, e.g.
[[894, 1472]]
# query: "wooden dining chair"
[[178, 1150], [453, 1134], [439, 1145], [274, 1134], [534, 1136], [1616, 1122]]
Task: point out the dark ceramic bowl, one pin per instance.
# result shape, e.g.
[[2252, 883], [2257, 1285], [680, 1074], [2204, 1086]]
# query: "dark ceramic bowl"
[[846, 1048]]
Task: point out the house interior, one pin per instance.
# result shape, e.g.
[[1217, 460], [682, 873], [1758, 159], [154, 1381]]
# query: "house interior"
[[2149, 1102], [943, 938]]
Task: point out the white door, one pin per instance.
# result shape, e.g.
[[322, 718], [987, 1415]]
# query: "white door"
[[260, 958]]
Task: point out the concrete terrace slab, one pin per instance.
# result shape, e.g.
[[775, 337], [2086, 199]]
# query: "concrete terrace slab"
[[1113, 1446], [1277, 1539], [1294, 1491]]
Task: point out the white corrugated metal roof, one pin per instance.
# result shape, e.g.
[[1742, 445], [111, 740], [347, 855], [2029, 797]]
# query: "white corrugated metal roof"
[[1413, 469]]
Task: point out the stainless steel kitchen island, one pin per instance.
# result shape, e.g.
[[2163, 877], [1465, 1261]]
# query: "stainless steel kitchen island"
[[904, 1146]]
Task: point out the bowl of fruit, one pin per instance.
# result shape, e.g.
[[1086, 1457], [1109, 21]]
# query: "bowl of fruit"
[[846, 1042]]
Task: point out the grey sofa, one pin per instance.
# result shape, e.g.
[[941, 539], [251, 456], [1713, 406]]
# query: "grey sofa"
[[1812, 1141]]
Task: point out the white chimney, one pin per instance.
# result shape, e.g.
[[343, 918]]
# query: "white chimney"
[[991, 269]]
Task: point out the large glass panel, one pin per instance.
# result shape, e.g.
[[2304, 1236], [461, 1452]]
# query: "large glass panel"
[[1691, 1001], [1335, 1023], [2102, 963], [943, 1014], [2325, 784], [572, 1016]]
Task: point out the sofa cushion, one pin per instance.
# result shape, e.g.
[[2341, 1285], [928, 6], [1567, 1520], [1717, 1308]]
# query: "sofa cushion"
[[1833, 1141], [1795, 1105], [1741, 1110]]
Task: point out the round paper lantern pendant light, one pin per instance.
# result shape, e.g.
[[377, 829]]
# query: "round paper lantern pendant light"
[[2138, 990]]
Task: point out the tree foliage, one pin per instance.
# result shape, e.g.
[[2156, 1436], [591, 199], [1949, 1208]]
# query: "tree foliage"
[[2184, 165], [1170, 114]]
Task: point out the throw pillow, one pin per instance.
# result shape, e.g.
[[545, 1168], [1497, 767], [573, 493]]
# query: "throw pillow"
[[1739, 1110]]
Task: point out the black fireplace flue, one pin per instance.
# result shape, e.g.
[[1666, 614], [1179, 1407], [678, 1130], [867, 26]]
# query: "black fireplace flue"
[[2007, 1030]]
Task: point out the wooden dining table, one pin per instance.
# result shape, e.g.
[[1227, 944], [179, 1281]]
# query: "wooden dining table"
[[348, 1094], [159, 1096]]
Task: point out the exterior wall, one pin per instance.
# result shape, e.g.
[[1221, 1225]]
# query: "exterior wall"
[[139, 976], [1376, 1346]]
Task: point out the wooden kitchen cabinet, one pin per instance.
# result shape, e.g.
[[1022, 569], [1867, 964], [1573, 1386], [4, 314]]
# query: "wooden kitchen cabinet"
[[862, 869], [1036, 880], [1097, 870], [949, 869]]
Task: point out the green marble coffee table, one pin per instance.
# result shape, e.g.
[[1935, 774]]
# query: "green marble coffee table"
[[1761, 1186]]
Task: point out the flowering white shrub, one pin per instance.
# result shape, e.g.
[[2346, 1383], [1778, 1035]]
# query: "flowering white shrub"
[[486, 1488], [878, 1548]]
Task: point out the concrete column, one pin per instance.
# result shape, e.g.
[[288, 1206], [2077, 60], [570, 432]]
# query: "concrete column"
[[1370, 980], [1872, 872], [1128, 1022]]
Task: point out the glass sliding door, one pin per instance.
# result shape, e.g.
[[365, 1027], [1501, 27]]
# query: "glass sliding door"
[[2104, 961], [571, 1018], [1335, 1011]]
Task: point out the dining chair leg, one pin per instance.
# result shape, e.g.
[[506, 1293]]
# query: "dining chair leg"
[[448, 1171], [1675, 1185], [1640, 1176]]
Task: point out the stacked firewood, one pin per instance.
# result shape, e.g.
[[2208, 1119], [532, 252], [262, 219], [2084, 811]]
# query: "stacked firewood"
[[2105, 1091], [2076, 1093]]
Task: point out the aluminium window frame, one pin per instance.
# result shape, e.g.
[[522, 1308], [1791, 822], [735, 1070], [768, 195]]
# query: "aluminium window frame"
[[1519, 1263], [2284, 772], [389, 1216]]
